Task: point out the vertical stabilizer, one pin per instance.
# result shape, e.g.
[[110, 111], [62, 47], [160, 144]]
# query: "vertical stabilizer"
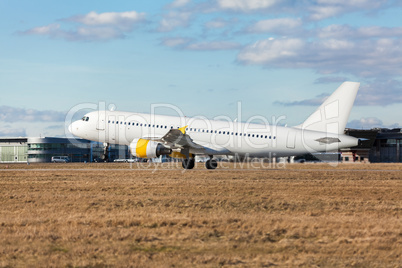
[[333, 114]]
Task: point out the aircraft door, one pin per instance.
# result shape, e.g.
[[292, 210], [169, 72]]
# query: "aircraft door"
[[291, 140]]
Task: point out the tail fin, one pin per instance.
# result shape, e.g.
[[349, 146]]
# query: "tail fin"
[[333, 114]]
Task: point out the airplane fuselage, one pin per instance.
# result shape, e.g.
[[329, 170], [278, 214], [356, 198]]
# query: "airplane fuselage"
[[216, 137]]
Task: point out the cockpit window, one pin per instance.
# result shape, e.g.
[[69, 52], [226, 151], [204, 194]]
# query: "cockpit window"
[[85, 118]]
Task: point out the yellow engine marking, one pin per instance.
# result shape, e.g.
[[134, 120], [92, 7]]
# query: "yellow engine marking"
[[183, 129], [180, 155], [141, 149]]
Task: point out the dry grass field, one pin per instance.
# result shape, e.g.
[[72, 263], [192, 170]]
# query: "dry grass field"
[[107, 215]]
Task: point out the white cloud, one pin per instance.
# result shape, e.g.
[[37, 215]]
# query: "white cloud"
[[179, 3], [12, 132], [380, 92], [323, 12], [217, 45], [175, 41], [13, 114], [188, 44], [366, 123], [346, 31], [317, 101], [121, 20], [245, 5], [281, 25], [377, 93], [313, 9], [217, 23], [323, 9], [271, 51], [45, 30], [93, 26], [173, 20], [365, 57], [331, 79]]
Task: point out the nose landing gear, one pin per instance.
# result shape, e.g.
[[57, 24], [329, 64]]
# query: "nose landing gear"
[[105, 156]]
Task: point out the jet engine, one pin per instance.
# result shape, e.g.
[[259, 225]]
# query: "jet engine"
[[143, 148]]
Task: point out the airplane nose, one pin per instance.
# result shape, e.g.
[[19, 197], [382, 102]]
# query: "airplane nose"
[[70, 128]]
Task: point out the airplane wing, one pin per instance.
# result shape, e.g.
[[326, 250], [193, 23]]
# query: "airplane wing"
[[178, 139]]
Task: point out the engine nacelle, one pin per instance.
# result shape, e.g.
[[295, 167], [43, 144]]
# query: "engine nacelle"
[[148, 149]]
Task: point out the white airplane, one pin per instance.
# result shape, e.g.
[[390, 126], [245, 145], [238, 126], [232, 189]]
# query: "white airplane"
[[150, 136]]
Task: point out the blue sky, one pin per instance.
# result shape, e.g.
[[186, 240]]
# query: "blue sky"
[[275, 57]]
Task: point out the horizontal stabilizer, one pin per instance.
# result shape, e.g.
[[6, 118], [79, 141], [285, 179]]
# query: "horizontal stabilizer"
[[327, 140]]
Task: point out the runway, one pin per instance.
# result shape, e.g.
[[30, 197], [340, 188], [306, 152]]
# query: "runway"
[[108, 214]]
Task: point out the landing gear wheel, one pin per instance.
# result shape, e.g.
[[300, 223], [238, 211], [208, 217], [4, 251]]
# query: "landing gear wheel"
[[211, 164], [188, 163], [104, 157]]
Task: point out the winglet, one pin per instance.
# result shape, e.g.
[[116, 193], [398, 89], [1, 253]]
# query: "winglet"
[[183, 129]]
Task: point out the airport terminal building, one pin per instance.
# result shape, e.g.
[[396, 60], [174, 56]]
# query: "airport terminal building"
[[379, 146], [41, 150]]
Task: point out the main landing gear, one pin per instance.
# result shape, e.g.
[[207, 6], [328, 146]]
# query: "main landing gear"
[[211, 164], [189, 163], [105, 156]]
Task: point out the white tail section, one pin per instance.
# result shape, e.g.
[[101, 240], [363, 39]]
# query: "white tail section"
[[333, 114]]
